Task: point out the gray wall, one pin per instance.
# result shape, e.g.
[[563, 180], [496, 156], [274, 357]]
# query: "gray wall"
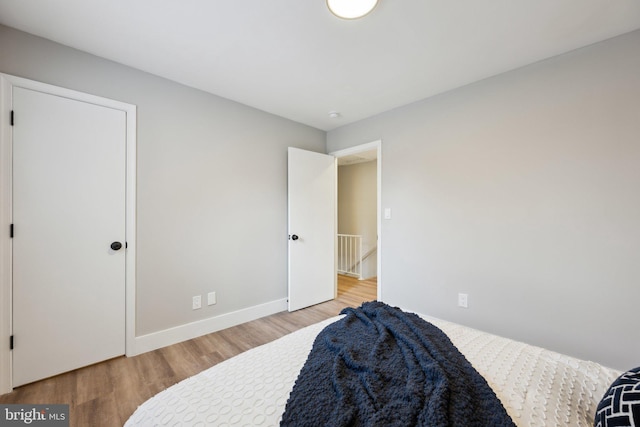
[[212, 204], [357, 208], [522, 190]]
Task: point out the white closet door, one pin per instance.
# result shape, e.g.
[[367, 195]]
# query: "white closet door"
[[68, 209]]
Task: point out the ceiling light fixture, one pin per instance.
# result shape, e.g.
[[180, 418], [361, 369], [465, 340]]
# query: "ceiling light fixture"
[[351, 9], [334, 114]]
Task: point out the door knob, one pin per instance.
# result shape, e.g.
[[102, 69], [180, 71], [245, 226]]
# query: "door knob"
[[294, 237], [116, 246]]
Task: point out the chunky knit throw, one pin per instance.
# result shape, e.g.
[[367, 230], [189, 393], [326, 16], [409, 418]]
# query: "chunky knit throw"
[[380, 366]]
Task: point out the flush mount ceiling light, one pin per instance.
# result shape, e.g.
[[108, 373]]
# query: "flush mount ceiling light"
[[351, 9]]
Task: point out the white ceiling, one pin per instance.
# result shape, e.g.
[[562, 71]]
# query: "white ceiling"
[[293, 58], [361, 157]]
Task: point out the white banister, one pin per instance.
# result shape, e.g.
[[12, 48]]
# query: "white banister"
[[350, 255]]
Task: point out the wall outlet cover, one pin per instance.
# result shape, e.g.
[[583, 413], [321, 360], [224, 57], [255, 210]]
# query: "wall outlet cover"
[[197, 302], [211, 298]]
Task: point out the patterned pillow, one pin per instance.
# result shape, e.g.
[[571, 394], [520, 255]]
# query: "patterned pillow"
[[620, 405]]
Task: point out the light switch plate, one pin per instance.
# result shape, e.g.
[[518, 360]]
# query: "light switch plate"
[[463, 300]]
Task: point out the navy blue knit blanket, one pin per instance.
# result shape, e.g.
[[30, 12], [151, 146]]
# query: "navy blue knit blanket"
[[380, 366]]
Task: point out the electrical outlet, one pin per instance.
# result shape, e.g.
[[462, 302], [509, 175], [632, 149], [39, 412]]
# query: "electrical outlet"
[[211, 298], [463, 300], [197, 302]]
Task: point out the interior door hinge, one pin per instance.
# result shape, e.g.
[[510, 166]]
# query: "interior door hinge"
[[11, 342], [11, 117], [11, 231]]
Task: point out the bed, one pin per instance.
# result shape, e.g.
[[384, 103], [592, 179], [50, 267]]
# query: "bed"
[[536, 387]]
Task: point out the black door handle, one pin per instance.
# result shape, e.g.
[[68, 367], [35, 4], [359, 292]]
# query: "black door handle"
[[116, 246], [294, 237]]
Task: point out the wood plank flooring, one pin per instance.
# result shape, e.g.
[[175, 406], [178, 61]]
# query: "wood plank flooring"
[[107, 393]]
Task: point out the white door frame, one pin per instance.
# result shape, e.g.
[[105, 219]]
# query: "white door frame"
[[377, 145], [7, 82]]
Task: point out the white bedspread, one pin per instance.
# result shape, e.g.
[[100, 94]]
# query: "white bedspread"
[[536, 386]]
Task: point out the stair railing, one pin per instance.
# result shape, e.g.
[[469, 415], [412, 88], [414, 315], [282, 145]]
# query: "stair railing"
[[350, 255]]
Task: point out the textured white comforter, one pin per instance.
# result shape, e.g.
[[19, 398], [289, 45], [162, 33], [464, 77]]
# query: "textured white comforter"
[[537, 387]]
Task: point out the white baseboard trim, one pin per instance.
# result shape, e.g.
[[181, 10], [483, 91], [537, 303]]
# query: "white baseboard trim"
[[155, 340]]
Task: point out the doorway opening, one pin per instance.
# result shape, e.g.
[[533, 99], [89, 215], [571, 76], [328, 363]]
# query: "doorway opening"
[[358, 218]]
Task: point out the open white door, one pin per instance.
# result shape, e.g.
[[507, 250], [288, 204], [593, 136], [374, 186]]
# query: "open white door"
[[312, 228]]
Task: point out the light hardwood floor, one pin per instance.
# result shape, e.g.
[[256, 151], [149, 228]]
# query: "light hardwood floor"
[[107, 393]]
